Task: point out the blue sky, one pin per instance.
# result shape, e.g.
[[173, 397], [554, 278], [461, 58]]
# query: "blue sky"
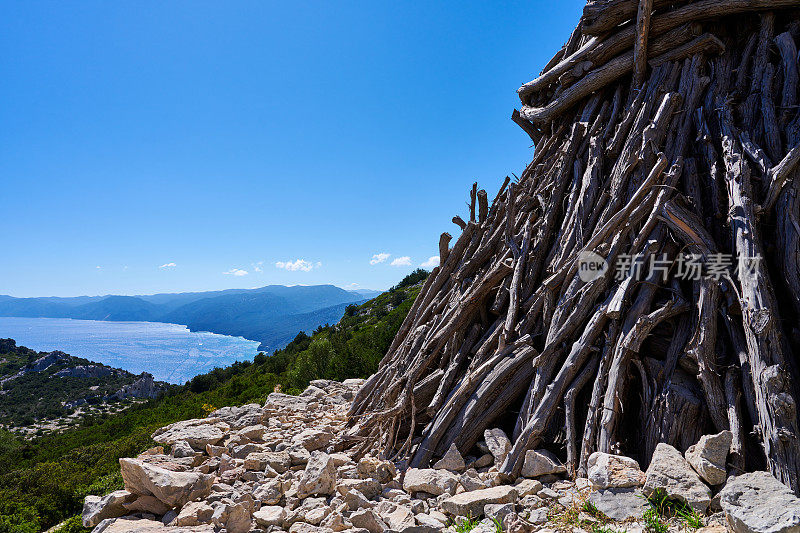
[[173, 146]]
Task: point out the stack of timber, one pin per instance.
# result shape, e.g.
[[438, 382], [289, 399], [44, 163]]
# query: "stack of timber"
[[662, 128]]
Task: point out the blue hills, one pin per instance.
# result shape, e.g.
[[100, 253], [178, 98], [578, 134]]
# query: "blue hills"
[[271, 315]]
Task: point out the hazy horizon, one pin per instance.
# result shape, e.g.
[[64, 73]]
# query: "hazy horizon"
[[191, 291]]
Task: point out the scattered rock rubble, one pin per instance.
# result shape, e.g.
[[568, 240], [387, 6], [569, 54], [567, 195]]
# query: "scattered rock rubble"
[[272, 469]]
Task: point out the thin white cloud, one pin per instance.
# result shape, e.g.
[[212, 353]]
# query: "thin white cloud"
[[98, 267], [432, 261], [298, 265], [168, 265], [258, 267], [236, 272], [379, 258], [402, 261]]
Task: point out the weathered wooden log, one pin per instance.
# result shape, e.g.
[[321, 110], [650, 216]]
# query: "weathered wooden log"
[[444, 247], [778, 175], [601, 16], [766, 347], [472, 196], [615, 69], [526, 126], [640, 44]]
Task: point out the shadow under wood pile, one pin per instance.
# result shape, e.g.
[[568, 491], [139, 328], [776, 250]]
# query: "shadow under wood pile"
[[661, 128]]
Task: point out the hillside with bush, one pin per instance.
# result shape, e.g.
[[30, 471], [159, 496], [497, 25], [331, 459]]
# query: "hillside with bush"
[[44, 480], [39, 388]]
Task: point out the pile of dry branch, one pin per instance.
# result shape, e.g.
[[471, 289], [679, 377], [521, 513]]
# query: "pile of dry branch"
[[663, 127]]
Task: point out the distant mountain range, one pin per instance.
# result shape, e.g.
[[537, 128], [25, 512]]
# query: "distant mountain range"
[[272, 315]]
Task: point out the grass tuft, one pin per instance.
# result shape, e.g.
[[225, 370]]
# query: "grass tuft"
[[465, 524], [498, 525], [662, 509]]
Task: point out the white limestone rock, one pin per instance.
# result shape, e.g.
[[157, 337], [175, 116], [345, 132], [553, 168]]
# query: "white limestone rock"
[[429, 480], [607, 471], [758, 503], [670, 472], [709, 455], [175, 489], [498, 443], [319, 477], [541, 463], [98, 508]]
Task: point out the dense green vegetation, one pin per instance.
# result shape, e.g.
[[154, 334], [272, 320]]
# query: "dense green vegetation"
[[37, 395], [44, 481]]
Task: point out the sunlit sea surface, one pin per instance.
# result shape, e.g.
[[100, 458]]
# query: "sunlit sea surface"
[[168, 351]]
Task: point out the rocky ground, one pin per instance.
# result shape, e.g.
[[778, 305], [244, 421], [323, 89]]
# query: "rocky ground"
[[271, 468]]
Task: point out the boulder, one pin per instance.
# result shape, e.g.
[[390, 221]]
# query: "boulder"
[[484, 460], [197, 433], [540, 463], [383, 471], [354, 500], [240, 417], [195, 514], [336, 522], [239, 519], [399, 519], [135, 525], [270, 515], [255, 432], [182, 449], [279, 403], [302, 527], [366, 519], [498, 443], [319, 477], [527, 487], [620, 504], [269, 493], [313, 391], [278, 461], [498, 511], [241, 451], [216, 451], [428, 480], [607, 471], [451, 461], [708, 456], [97, 508], [471, 480], [472, 503], [340, 459], [300, 456], [431, 521], [175, 489], [670, 472], [147, 504], [316, 514], [370, 488], [313, 439], [758, 503]]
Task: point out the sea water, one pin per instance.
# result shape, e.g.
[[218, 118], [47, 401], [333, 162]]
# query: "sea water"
[[170, 352]]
